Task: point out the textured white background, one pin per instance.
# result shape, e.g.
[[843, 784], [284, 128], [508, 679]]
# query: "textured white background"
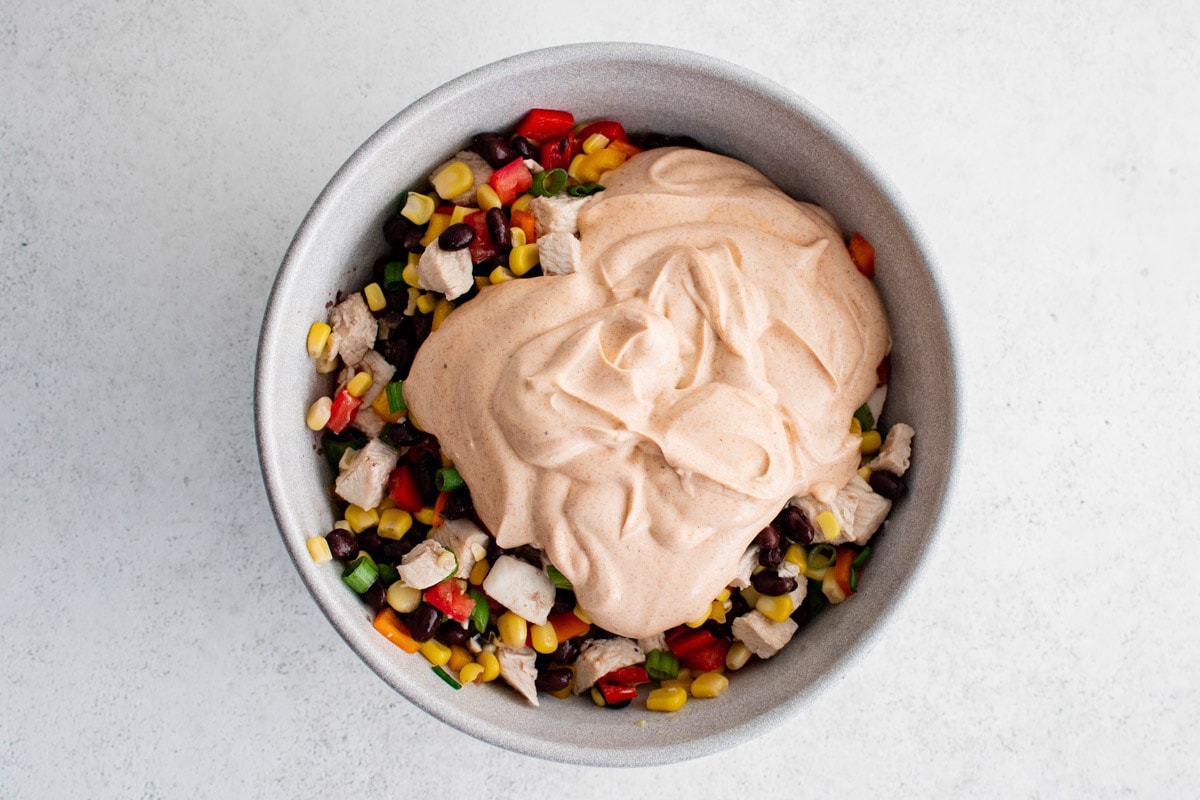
[[155, 159]]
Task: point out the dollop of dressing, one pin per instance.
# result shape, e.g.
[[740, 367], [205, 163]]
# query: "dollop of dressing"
[[642, 419]]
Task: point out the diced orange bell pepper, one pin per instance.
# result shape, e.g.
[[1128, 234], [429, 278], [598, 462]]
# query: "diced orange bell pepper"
[[568, 626], [630, 150], [395, 631], [863, 255], [841, 569], [439, 505], [526, 222]]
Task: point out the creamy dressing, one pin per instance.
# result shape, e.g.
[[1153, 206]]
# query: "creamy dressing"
[[642, 419]]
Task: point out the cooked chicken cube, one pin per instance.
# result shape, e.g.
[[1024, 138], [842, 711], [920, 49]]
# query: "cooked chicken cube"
[[353, 329], [446, 271], [745, 568], [560, 253], [367, 421], [522, 588], [518, 668], [364, 479], [381, 374], [426, 564], [465, 539], [556, 214], [481, 173], [656, 642], [859, 511], [896, 451], [601, 656], [763, 636]]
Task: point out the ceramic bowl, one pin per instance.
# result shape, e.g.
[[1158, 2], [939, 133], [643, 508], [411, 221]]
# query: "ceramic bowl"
[[732, 111]]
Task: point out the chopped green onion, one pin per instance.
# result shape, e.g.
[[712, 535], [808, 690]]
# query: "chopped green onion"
[[447, 479], [865, 417], [360, 574], [584, 189], [393, 276], [822, 556], [481, 613], [441, 673], [853, 578], [862, 557], [335, 447], [557, 578], [661, 665], [395, 396], [549, 183], [387, 574]]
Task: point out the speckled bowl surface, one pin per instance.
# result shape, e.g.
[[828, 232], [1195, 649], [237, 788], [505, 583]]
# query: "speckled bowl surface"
[[647, 88]]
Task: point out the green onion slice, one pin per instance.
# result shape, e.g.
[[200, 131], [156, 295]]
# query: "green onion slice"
[[853, 578], [447, 479], [822, 556], [387, 574], [865, 417], [441, 673], [555, 181], [395, 396], [584, 189], [393, 276], [862, 558], [334, 447], [360, 574], [661, 665], [557, 578], [481, 613]]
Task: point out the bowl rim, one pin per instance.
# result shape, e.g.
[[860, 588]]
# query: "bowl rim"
[[453, 714]]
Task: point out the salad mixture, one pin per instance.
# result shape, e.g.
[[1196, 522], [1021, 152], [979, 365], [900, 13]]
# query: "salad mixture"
[[605, 416]]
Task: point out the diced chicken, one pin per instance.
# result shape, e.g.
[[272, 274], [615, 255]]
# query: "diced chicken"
[[875, 401], [367, 421], [364, 479], [656, 642], [859, 511], [763, 636], [481, 173], [446, 271], [745, 568], [601, 656], [353, 329], [560, 253], [556, 214], [381, 373], [522, 588], [787, 569], [465, 539], [896, 451], [533, 166], [519, 670], [426, 564]]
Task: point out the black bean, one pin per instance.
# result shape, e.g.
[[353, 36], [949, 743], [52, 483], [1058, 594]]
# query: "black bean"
[[395, 231], [401, 434], [498, 227], [423, 622], [485, 267], [617, 706], [369, 540], [496, 153], [458, 505], [771, 582], [342, 545], [524, 148], [770, 556], [567, 651], [392, 550], [424, 472], [494, 550], [393, 315], [793, 524], [376, 596], [412, 239], [564, 600], [767, 538], [422, 326], [888, 484], [456, 237], [553, 680], [452, 632], [737, 606]]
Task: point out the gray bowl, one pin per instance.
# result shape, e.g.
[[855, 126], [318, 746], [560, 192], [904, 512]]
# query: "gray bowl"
[[647, 88]]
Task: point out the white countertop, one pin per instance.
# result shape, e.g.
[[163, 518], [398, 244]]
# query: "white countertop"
[[155, 159]]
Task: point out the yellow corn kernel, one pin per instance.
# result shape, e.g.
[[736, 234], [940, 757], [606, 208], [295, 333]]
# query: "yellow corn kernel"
[[441, 311], [404, 599], [359, 384], [513, 629], [717, 612], [696, 623], [582, 616], [414, 294], [318, 413], [361, 518], [386, 504], [523, 258], [500, 275], [437, 224], [481, 281], [709, 684], [394, 523], [342, 525], [775, 608], [460, 213], [318, 337], [676, 683], [373, 293], [318, 548], [608, 158], [865, 473], [596, 164], [424, 516], [671, 699], [427, 302], [409, 274], [487, 197], [597, 698], [855, 425], [479, 572], [418, 208], [722, 595], [750, 595], [327, 362], [827, 521], [597, 141], [454, 179], [871, 442], [737, 656], [797, 555], [833, 592], [573, 168], [470, 673], [435, 652], [816, 574], [447, 461], [459, 657], [490, 664], [522, 203], [545, 640], [381, 407]]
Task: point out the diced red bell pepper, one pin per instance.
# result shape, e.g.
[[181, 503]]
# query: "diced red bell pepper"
[[862, 254], [884, 371], [567, 625], [481, 247], [841, 570], [511, 180], [403, 489], [526, 222], [450, 596], [610, 129], [446, 209], [697, 648], [541, 124], [614, 693], [621, 684], [342, 412], [557, 153]]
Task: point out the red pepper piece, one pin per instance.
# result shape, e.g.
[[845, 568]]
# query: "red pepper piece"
[[511, 180], [342, 412], [841, 570], [481, 247], [862, 254], [697, 648], [629, 676], [614, 693], [610, 129], [403, 489], [541, 124], [450, 597], [444, 209], [557, 153]]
